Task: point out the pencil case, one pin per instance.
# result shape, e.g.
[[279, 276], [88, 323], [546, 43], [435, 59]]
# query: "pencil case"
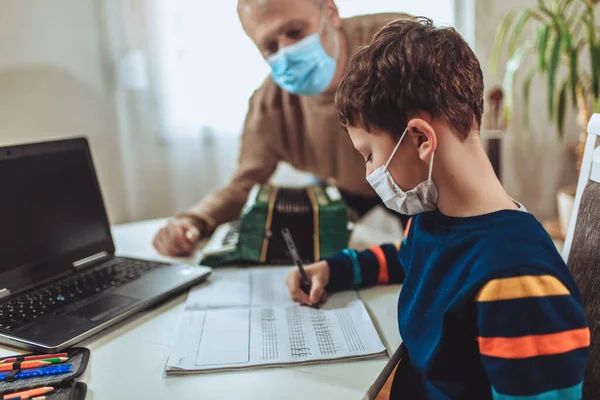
[[65, 385]]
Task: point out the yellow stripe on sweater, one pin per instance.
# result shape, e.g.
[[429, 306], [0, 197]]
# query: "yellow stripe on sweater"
[[520, 287]]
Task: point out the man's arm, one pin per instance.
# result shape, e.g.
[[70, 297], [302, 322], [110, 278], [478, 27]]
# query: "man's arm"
[[533, 337], [257, 162]]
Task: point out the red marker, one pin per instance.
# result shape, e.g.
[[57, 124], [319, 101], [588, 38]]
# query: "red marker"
[[37, 357]]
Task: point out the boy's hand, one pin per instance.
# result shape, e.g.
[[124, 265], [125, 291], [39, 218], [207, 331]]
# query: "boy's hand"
[[318, 273]]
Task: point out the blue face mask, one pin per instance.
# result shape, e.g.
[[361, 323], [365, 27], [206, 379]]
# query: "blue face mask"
[[303, 68]]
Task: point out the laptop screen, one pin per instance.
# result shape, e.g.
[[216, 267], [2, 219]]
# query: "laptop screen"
[[51, 211]]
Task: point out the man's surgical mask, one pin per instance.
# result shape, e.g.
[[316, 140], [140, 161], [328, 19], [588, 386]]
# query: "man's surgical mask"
[[422, 198], [304, 68]]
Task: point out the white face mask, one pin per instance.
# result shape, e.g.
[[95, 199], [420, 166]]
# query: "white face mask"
[[422, 198]]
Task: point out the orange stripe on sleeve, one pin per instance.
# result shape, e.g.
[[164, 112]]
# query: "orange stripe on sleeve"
[[534, 345], [407, 227], [383, 267], [522, 286]]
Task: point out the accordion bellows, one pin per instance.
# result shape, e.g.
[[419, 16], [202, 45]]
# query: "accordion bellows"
[[316, 216]]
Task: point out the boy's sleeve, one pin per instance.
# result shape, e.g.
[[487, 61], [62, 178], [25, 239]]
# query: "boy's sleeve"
[[533, 337], [377, 265]]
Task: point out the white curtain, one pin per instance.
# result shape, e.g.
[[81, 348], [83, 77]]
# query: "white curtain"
[[184, 71], [207, 67]]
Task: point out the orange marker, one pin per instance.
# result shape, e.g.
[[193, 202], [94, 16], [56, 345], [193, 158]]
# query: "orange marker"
[[24, 365], [26, 394]]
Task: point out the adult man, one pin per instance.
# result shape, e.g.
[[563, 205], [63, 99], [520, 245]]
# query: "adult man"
[[291, 116]]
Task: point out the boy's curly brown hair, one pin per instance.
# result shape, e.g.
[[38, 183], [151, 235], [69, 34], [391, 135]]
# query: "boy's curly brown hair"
[[411, 66]]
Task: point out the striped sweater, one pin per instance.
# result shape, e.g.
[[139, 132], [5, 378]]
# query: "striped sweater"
[[487, 310]]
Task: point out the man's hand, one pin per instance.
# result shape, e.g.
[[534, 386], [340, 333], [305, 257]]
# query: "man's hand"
[[318, 273], [178, 238]]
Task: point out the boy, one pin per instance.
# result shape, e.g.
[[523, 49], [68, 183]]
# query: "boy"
[[488, 309]]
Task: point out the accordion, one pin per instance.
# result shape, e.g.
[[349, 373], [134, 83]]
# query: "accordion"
[[316, 216]]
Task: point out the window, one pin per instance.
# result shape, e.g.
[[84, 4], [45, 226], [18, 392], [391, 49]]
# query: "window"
[[207, 67]]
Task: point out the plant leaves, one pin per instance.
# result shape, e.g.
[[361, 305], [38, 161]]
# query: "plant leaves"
[[542, 45], [526, 95], [567, 38], [596, 71], [574, 77], [499, 40], [524, 17], [594, 51], [512, 67], [595, 106], [575, 10], [550, 14], [552, 69], [561, 109], [560, 20], [564, 5], [576, 20]]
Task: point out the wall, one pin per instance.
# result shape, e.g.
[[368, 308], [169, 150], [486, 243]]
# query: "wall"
[[535, 163], [52, 84]]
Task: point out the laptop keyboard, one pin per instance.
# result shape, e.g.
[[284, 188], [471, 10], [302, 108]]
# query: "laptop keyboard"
[[21, 310]]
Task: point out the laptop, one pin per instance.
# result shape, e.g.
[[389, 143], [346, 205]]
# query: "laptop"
[[60, 280]]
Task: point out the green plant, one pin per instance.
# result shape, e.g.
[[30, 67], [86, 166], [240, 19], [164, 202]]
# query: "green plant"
[[564, 30]]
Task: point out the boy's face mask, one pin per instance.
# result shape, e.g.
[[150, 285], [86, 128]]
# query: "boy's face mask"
[[304, 68], [422, 198]]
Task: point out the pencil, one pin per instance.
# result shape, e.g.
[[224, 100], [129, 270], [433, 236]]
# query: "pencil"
[[24, 365], [385, 373]]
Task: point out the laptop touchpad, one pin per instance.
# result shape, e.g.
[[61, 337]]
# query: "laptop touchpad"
[[103, 308]]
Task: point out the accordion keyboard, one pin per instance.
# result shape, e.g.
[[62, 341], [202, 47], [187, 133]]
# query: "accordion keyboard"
[[224, 239]]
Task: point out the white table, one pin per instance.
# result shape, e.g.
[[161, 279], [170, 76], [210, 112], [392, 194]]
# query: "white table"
[[128, 360]]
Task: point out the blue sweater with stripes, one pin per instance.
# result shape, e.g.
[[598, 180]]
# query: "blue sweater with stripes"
[[487, 310]]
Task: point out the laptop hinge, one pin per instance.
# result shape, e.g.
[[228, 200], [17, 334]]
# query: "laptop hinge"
[[4, 293], [85, 262]]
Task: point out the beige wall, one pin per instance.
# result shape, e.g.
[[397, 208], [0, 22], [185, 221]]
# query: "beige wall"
[[534, 165], [52, 84]]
